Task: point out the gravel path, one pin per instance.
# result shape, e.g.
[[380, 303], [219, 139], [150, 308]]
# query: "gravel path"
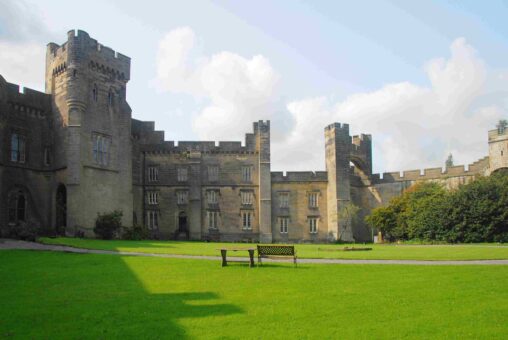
[[16, 244]]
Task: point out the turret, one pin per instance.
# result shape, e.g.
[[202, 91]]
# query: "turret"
[[337, 154], [498, 148], [92, 123], [262, 138]]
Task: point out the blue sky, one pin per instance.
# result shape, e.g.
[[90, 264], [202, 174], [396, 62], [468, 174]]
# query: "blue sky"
[[418, 76]]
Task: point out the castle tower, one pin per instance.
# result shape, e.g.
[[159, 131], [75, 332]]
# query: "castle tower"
[[498, 149], [92, 125], [337, 156], [262, 135]]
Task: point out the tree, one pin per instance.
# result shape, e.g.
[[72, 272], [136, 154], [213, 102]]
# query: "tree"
[[449, 161]]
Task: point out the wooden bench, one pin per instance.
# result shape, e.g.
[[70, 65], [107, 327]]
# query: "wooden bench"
[[276, 251]]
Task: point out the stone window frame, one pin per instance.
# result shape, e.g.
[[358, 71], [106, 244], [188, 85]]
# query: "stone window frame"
[[152, 219], [95, 93], [212, 196], [17, 204], [313, 199], [152, 197], [313, 222], [18, 147], [247, 173], [47, 156], [213, 173], [182, 196], [101, 148], [247, 197], [213, 219], [283, 222], [182, 173], [246, 219], [153, 173], [284, 203]]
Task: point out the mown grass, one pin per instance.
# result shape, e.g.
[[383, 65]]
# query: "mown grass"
[[332, 251], [54, 295]]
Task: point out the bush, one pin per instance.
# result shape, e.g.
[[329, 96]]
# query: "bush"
[[22, 230], [108, 224], [136, 233], [475, 212]]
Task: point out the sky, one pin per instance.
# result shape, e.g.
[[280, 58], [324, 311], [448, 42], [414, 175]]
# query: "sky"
[[424, 78]]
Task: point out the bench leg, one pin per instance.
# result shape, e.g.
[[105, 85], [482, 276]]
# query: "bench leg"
[[251, 258], [223, 252]]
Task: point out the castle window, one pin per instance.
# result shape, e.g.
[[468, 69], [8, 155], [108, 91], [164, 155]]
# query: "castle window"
[[47, 160], [213, 219], [283, 199], [152, 219], [247, 220], [95, 92], [153, 174], [247, 173], [18, 148], [17, 207], [101, 146], [110, 97], [152, 197], [213, 173], [313, 199], [313, 225], [182, 197], [182, 174], [283, 224], [247, 197], [212, 196]]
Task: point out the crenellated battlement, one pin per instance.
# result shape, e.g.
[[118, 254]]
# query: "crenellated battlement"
[[337, 126], [299, 176], [80, 47], [152, 140], [26, 101], [473, 169]]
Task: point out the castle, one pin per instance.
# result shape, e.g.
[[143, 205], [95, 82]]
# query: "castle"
[[75, 151]]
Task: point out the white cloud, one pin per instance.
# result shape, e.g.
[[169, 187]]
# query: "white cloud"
[[23, 35], [23, 64], [238, 90], [413, 126]]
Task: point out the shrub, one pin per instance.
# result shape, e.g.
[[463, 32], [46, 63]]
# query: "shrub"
[[22, 230], [136, 233], [108, 224]]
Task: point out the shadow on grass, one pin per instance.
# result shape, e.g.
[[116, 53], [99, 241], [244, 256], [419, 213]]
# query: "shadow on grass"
[[96, 296]]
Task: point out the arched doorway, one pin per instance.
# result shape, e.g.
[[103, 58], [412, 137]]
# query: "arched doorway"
[[61, 210], [182, 223], [182, 233]]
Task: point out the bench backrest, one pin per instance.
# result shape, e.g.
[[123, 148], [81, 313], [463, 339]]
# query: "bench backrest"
[[276, 250]]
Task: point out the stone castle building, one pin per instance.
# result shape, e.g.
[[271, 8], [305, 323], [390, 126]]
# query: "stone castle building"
[[75, 151]]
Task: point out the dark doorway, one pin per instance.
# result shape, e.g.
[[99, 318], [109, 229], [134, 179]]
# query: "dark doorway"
[[183, 228], [182, 223], [61, 210]]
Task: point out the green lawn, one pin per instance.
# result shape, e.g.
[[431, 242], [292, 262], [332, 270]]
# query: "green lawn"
[[54, 295], [380, 252]]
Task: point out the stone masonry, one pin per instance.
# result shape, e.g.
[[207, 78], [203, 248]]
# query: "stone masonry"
[[75, 151]]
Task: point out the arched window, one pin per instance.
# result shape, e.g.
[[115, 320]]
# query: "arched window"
[[17, 206], [110, 97], [94, 92]]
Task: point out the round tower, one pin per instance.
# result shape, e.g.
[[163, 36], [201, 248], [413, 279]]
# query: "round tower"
[[498, 148]]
